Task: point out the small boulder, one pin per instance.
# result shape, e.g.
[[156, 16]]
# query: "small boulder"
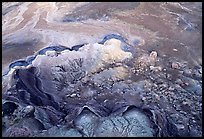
[[175, 65], [153, 56]]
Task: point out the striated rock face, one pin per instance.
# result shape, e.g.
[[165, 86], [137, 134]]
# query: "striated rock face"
[[132, 123], [102, 69]]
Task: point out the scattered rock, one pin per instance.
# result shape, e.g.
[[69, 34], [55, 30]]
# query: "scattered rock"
[[155, 69], [200, 70], [187, 72], [175, 50], [157, 97], [179, 81], [144, 98], [197, 73], [171, 88], [129, 81], [177, 126], [73, 95], [153, 55], [175, 65], [169, 76], [29, 110], [194, 132]]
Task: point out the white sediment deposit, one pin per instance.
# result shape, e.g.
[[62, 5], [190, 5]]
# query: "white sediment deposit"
[[95, 56]]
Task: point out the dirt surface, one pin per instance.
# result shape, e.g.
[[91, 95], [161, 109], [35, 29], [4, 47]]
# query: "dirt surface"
[[102, 69]]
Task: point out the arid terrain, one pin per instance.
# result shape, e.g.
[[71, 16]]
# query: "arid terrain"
[[102, 69]]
